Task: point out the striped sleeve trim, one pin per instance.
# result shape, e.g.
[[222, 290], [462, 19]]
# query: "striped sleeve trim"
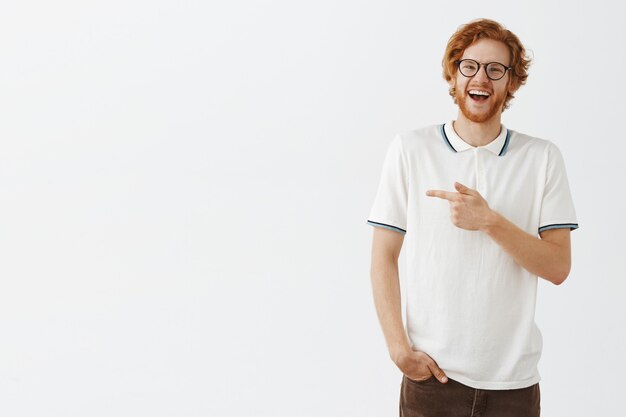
[[386, 226], [572, 226]]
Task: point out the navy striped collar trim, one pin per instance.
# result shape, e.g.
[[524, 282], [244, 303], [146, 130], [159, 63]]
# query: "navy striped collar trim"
[[460, 145]]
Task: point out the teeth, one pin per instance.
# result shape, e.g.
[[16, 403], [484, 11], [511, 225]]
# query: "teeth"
[[479, 93]]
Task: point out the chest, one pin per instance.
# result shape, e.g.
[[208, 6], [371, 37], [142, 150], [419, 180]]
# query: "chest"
[[512, 185]]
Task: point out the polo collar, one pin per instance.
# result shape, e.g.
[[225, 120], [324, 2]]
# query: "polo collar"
[[498, 146]]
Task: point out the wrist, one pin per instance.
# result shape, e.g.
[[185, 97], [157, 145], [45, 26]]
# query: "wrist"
[[492, 219], [398, 352]]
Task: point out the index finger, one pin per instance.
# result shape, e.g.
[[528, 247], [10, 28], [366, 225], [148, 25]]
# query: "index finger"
[[446, 195]]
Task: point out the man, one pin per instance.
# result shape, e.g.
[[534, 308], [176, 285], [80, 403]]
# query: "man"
[[485, 211]]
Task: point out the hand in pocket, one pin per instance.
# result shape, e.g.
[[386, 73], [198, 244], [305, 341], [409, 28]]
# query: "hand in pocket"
[[418, 366]]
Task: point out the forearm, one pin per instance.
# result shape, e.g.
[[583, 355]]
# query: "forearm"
[[540, 257], [386, 290]]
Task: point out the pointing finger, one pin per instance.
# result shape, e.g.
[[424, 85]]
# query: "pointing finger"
[[446, 195]]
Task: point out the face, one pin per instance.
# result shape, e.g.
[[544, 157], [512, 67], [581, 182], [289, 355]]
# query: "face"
[[481, 108]]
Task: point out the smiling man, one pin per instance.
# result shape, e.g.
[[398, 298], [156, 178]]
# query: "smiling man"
[[485, 212]]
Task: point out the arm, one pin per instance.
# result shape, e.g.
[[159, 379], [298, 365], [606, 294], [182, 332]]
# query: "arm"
[[416, 365], [548, 257], [386, 245]]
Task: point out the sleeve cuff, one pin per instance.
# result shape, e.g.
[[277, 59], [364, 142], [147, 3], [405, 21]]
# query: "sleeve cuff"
[[386, 226], [572, 226]]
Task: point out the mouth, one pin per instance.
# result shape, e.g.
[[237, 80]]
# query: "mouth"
[[479, 95]]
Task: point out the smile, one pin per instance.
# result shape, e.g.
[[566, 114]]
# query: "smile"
[[479, 95]]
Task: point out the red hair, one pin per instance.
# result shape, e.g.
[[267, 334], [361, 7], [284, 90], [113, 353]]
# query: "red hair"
[[469, 33]]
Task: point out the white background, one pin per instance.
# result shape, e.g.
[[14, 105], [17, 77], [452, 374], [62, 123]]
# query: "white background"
[[184, 188]]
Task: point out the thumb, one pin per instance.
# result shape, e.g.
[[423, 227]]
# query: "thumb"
[[462, 188], [436, 370]]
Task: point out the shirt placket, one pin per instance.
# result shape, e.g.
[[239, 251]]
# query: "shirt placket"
[[479, 170]]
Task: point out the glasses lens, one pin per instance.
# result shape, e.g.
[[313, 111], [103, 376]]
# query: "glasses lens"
[[468, 67], [495, 71]]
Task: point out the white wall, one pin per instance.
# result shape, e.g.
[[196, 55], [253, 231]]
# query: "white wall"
[[184, 188]]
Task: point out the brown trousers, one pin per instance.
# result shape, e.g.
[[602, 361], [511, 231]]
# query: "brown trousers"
[[431, 398]]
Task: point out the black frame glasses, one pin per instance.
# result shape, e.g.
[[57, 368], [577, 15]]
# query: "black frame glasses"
[[494, 66]]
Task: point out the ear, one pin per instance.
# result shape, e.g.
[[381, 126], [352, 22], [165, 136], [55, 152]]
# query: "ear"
[[510, 87]]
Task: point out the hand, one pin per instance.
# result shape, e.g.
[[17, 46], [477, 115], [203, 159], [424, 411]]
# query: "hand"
[[418, 366], [468, 209]]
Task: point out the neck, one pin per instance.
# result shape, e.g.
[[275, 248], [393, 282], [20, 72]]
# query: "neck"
[[477, 134]]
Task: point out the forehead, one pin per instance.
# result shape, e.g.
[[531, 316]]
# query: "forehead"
[[488, 50]]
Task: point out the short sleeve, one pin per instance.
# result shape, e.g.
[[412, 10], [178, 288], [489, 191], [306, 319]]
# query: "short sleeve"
[[390, 205], [557, 207]]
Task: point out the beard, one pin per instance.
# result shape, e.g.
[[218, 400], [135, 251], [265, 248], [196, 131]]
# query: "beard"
[[497, 103]]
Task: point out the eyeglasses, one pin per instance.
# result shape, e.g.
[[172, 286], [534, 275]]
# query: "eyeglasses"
[[494, 70]]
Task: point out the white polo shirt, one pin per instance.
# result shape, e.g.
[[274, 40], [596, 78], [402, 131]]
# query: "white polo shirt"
[[469, 305]]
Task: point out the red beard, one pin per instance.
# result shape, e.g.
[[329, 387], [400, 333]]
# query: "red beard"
[[463, 98]]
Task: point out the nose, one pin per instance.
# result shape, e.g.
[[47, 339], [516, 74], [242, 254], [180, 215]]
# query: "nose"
[[482, 73]]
